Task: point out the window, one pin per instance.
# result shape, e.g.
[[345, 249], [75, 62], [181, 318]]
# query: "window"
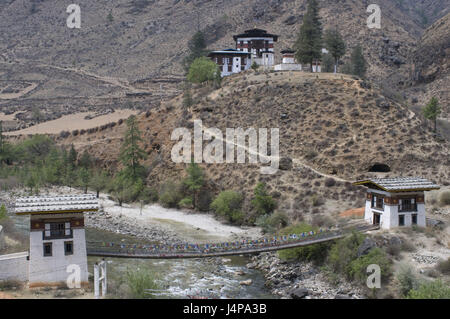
[[47, 249], [407, 205], [414, 219], [68, 248], [401, 220], [377, 202], [57, 230]]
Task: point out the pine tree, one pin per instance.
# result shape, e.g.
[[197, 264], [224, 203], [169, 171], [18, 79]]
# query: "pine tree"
[[358, 62], [197, 49], [309, 40], [99, 181], [84, 178], [432, 110], [86, 160], [327, 63], [131, 153], [187, 96], [262, 201], [194, 181], [335, 45], [72, 157]]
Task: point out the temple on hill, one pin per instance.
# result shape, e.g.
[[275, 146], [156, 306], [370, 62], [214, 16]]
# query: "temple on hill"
[[231, 61], [257, 46], [396, 202], [259, 43]]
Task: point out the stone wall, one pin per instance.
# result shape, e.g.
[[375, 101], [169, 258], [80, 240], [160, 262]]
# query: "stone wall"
[[14, 266]]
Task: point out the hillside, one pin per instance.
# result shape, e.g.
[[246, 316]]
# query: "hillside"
[[432, 64], [331, 127], [149, 37]]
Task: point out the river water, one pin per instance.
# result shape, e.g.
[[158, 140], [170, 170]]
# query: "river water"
[[179, 278]]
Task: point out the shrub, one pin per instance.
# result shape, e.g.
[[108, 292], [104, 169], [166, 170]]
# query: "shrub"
[[3, 212], [170, 194], [444, 198], [148, 195], [228, 204], [262, 202], [343, 252], [10, 284], [186, 203], [315, 253], [316, 201], [444, 266], [407, 281], [204, 199], [273, 223], [358, 267], [330, 182], [140, 280], [203, 70], [431, 290]]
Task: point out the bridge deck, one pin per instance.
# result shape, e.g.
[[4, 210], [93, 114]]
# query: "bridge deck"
[[142, 253]]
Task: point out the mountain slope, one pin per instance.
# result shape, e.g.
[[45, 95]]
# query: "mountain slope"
[[432, 64], [148, 37], [329, 126]]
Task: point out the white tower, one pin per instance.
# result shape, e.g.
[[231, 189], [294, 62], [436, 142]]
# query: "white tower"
[[57, 238]]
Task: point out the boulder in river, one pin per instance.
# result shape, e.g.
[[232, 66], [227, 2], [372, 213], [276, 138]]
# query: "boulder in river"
[[246, 282]]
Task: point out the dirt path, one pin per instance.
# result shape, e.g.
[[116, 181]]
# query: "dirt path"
[[295, 161], [123, 83]]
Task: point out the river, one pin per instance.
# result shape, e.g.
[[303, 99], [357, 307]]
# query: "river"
[[178, 278]]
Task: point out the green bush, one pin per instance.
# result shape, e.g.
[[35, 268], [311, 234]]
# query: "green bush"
[[444, 266], [262, 202], [343, 259], [140, 280], [3, 212], [444, 198], [273, 223], [228, 204], [148, 195], [204, 199], [171, 194], [358, 267], [203, 70], [431, 290], [186, 203], [343, 252], [316, 253], [407, 281]]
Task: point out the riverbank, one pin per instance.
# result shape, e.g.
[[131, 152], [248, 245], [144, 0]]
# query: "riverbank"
[[300, 280]]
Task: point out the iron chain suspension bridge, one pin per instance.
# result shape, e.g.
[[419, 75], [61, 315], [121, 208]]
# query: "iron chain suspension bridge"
[[167, 251]]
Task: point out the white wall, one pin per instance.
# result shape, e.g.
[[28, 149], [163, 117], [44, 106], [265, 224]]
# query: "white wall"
[[54, 268], [288, 67], [2, 238], [14, 266]]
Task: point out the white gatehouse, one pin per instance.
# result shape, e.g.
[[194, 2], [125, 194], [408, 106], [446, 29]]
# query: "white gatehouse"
[[57, 237]]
